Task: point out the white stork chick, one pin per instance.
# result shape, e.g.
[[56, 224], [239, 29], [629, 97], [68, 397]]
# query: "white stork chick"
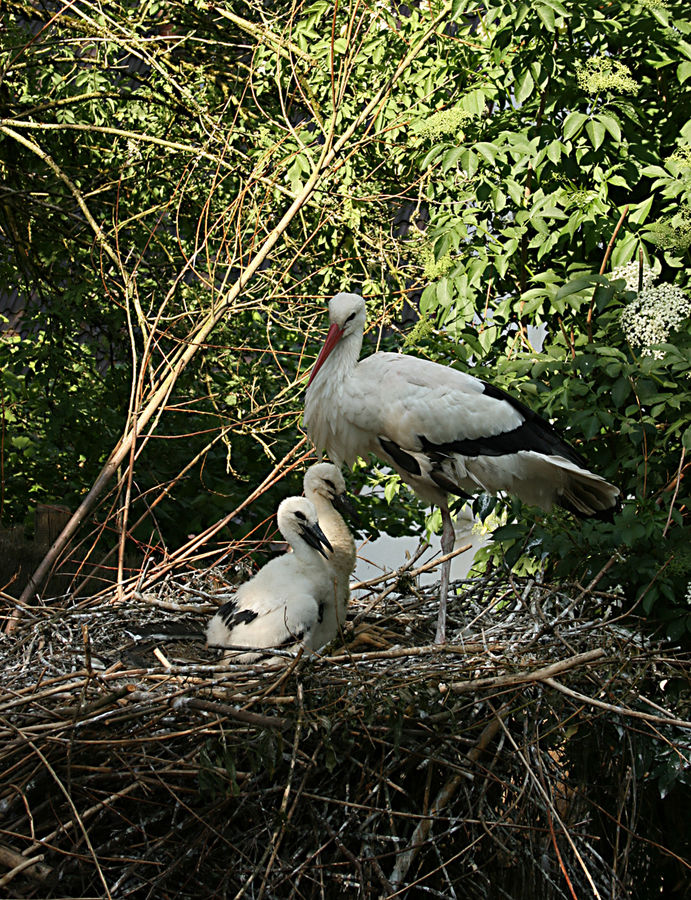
[[325, 487], [443, 431], [281, 606]]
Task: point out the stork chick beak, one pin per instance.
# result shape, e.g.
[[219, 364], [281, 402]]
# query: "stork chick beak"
[[315, 537], [342, 503], [332, 338]]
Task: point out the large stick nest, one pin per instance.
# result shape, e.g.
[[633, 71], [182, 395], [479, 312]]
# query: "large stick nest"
[[541, 753]]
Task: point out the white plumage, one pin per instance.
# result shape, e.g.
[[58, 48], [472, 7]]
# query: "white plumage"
[[324, 486], [443, 431], [281, 606]]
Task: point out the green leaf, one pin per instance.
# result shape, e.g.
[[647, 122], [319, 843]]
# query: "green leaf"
[[660, 14], [450, 159], [576, 285], [469, 162], [557, 6], [554, 151], [551, 212], [573, 124], [473, 102], [428, 300], [524, 86], [508, 533], [499, 199], [391, 489], [533, 300], [487, 337], [488, 151], [623, 251], [444, 292], [546, 15], [596, 132], [515, 190], [611, 125], [620, 391], [431, 156], [655, 171], [684, 71], [640, 211]]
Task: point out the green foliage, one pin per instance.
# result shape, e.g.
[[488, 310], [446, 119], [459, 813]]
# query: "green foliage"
[[487, 183]]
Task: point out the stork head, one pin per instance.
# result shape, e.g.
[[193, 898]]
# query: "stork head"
[[324, 479], [347, 316], [347, 311], [297, 521]]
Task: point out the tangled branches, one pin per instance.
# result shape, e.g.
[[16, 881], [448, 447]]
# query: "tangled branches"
[[527, 758]]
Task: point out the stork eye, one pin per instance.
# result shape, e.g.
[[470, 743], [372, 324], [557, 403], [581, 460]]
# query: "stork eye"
[[300, 515], [350, 318], [330, 484]]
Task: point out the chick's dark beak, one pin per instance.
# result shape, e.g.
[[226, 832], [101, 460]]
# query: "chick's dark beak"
[[316, 538], [346, 508]]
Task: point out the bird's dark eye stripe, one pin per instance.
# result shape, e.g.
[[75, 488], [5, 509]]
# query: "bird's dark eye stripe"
[[300, 515], [330, 484], [350, 318]]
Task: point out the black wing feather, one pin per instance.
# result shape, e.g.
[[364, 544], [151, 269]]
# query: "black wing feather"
[[232, 616], [534, 433]]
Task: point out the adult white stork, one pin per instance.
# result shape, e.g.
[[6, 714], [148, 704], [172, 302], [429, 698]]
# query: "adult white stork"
[[443, 431], [282, 604], [325, 487]]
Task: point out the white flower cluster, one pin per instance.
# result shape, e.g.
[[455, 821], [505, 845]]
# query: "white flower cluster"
[[446, 121], [657, 310], [600, 73], [688, 593], [631, 274]]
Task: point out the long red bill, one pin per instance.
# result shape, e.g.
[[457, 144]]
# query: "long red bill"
[[332, 338]]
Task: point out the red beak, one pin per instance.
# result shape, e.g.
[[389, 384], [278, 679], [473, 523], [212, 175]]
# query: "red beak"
[[332, 338]]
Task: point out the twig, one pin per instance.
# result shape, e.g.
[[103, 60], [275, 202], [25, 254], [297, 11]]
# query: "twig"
[[589, 319], [553, 810], [443, 798], [396, 576], [33, 866], [620, 710], [66, 793], [676, 491], [242, 715], [544, 674]]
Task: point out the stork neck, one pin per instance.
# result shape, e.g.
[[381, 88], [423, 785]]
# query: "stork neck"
[[306, 554], [342, 359]]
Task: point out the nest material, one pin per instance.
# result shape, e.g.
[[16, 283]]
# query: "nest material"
[[524, 759]]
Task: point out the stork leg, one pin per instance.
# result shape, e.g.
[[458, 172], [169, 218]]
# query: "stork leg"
[[448, 539]]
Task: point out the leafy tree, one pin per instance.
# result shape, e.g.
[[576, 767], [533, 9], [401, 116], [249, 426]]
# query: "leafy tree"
[[185, 183]]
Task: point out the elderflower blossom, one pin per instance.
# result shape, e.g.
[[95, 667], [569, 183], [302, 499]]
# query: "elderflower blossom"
[[672, 233], [682, 156], [446, 121], [604, 74], [422, 329], [657, 310], [435, 268], [630, 274]]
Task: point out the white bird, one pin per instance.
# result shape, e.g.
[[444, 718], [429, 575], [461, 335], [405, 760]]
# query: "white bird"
[[443, 431], [282, 604], [325, 487]]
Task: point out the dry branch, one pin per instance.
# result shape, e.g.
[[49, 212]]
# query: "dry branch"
[[152, 405], [564, 665]]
